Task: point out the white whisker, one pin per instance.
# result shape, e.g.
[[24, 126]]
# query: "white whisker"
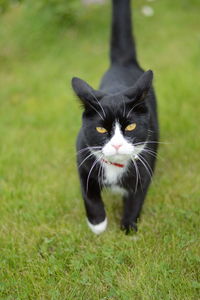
[[152, 153], [96, 111], [124, 112], [93, 165], [88, 148], [149, 167], [87, 158], [132, 109], [151, 142], [98, 103], [151, 131], [140, 159], [136, 171], [99, 177], [139, 177]]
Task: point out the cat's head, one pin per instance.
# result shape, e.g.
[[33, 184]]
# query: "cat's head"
[[115, 126]]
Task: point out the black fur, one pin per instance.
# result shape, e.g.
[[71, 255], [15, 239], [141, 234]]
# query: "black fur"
[[124, 85]]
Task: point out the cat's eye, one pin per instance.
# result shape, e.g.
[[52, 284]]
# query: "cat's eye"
[[101, 129], [130, 127]]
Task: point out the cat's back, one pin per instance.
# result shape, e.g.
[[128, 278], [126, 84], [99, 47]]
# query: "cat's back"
[[118, 78]]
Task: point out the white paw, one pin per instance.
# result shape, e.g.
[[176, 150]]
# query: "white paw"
[[98, 228]]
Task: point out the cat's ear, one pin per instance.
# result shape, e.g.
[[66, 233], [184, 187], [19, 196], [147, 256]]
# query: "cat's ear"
[[86, 93], [142, 86]]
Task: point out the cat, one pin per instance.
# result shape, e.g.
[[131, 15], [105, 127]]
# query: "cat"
[[117, 143]]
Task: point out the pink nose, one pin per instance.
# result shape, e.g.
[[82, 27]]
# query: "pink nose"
[[117, 146]]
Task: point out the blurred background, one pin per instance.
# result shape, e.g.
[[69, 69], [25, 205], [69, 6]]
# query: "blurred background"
[[47, 252]]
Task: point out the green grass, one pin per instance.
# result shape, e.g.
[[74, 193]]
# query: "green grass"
[[47, 251]]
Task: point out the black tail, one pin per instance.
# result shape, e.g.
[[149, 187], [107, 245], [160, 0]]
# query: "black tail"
[[122, 44]]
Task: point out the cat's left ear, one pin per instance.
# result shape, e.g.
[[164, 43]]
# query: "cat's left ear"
[[86, 93], [141, 88]]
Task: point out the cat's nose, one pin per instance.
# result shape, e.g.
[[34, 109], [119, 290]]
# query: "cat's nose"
[[117, 146]]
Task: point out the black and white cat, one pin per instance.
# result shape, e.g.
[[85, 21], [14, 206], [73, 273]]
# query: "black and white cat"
[[117, 143]]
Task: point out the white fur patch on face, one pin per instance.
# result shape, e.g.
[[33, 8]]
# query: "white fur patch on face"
[[117, 150], [99, 228]]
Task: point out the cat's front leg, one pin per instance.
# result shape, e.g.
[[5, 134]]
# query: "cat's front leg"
[[133, 202], [96, 216]]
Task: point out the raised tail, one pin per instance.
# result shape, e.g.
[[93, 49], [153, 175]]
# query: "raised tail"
[[123, 50]]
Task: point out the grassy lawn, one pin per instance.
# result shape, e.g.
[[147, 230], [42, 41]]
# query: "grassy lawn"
[[47, 251]]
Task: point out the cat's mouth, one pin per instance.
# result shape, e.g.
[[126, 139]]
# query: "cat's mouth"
[[119, 165], [125, 157], [118, 158]]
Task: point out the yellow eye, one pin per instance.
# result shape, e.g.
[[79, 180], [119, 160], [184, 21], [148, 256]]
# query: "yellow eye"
[[101, 129], [130, 127]]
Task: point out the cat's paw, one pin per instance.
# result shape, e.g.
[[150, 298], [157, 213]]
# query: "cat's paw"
[[128, 226], [98, 228]]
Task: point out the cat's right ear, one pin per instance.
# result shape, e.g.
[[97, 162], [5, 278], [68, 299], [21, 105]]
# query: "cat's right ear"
[[88, 96], [141, 88]]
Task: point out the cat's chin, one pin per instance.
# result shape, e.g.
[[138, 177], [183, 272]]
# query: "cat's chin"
[[118, 158]]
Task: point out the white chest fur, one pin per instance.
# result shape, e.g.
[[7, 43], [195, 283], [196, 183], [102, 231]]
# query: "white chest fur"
[[112, 174]]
